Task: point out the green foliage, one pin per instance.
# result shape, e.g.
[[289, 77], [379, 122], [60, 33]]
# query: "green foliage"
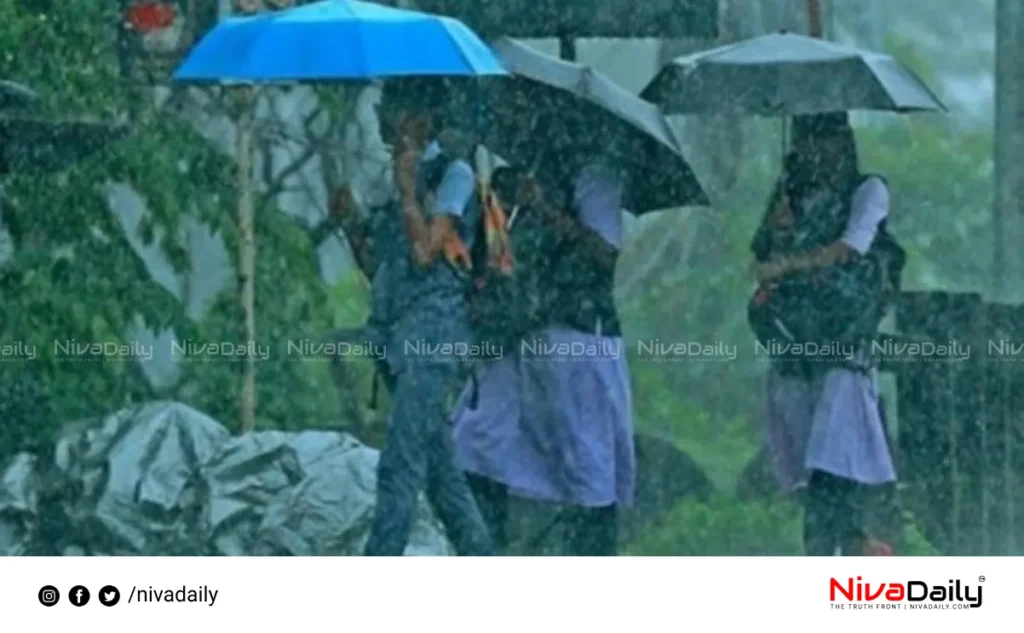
[[726, 526], [349, 298], [914, 541], [941, 181], [292, 391], [76, 277]]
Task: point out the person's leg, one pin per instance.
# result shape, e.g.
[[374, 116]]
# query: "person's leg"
[[850, 528], [401, 471], [832, 516], [447, 488], [820, 515], [492, 499], [592, 531]]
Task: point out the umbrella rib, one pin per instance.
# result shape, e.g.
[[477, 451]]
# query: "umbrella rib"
[[448, 24]]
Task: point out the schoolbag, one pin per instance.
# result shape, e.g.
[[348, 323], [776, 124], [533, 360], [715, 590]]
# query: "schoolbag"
[[504, 296], [842, 304], [510, 260]]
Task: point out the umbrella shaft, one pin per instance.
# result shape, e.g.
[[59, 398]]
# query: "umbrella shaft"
[[815, 27], [567, 47]]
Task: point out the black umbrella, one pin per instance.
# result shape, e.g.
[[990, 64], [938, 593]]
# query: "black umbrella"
[[16, 96], [31, 143], [783, 74], [643, 140]]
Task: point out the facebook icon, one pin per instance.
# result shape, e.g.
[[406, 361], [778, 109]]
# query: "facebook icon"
[[79, 596]]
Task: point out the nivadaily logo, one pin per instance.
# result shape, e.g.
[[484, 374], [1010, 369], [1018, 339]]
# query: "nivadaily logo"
[[913, 594]]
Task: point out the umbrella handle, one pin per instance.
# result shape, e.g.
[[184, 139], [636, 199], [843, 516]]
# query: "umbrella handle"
[[785, 135]]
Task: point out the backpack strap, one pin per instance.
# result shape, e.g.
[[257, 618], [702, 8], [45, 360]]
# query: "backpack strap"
[[495, 223]]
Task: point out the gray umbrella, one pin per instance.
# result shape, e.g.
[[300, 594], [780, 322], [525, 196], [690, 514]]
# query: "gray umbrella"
[[30, 143], [646, 143], [16, 96], [784, 74]]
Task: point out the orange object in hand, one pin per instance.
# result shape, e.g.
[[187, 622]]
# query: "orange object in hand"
[[499, 247], [455, 252]]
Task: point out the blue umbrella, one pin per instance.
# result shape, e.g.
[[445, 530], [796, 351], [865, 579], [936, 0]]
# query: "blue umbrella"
[[338, 40]]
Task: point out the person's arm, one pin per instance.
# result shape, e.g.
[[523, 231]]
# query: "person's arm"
[[834, 253], [427, 235], [870, 206]]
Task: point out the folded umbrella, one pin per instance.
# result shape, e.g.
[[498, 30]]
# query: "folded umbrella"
[[784, 74], [641, 137], [336, 40], [32, 143]]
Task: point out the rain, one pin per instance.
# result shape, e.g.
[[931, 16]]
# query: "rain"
[[511, 277]]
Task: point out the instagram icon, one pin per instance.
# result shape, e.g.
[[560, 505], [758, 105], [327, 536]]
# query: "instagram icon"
[[49, 596]]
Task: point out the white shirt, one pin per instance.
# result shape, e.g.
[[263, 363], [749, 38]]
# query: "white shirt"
[[456, 188], [869, 207], [598, 197]]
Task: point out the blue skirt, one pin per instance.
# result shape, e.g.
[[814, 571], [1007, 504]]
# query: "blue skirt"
[[554, 422]]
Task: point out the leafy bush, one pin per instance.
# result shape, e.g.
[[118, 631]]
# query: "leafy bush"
[[726, 526]]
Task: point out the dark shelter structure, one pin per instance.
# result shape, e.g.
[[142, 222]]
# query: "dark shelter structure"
[[571, 19], [583, 18]]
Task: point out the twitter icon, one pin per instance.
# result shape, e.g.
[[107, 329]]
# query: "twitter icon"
[[109, 596]]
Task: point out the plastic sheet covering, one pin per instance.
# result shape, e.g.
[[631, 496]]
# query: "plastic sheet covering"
[[136, 476], [329, 512], [18, 506], [164, 479]]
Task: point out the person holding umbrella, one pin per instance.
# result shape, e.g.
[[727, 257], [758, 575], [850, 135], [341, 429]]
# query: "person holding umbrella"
[[540, 424], [559, 429], [421, 310], [825, 423], [350, 40], [781, 75]]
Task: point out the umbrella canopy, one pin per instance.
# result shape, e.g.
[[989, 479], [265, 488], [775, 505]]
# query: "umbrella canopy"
[[29, 143], [784, 74], [14, 95], [337, 40], [583, 18], [644, 139]]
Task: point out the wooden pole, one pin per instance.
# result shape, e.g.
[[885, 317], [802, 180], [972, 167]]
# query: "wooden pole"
[[246, 262], [246, 249], [815, 25]]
